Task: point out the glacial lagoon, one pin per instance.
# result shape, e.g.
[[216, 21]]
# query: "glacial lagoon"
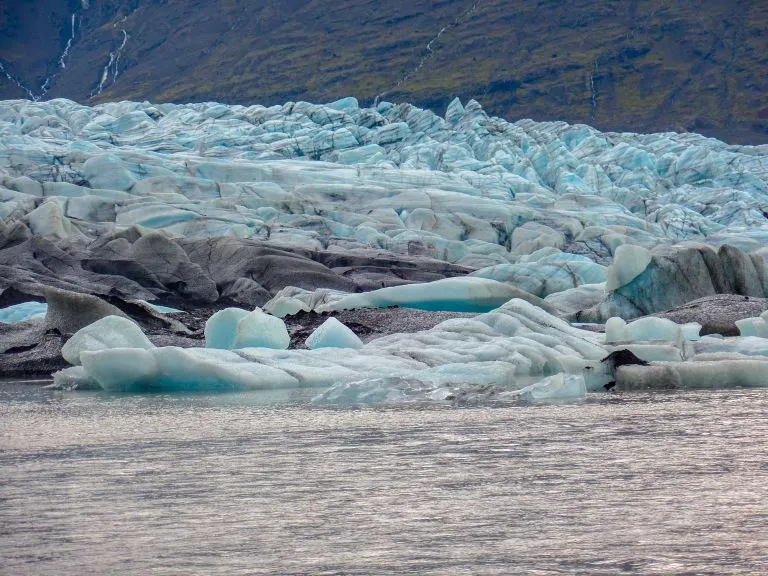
[[265, 483]]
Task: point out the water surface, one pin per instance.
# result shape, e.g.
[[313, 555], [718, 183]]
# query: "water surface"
[[665, 483]]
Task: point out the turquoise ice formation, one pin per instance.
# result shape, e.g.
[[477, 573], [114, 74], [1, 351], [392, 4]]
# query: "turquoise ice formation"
[[234, 328], [23, 312], [515, 353], [333, 334]]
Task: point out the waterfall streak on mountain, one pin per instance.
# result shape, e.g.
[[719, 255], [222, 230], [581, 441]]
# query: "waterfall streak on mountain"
[[18, 83], [429, 51], [117, 57], [112, 63], [105, 74], [62, 60]]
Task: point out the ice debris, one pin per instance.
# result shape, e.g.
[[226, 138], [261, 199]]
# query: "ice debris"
[[333, 334], [515, 353], [754, 326], [109, 332], [234, 328]]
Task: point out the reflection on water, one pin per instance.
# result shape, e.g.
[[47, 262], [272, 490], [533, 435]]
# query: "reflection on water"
[[666, 483]]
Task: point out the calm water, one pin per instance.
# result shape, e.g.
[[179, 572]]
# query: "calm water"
[[673, 483]]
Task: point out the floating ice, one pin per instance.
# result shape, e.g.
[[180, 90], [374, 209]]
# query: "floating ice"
[[109, 332], [234, 328], [333, 334], [221, 328], [177, 369], [725, 373]]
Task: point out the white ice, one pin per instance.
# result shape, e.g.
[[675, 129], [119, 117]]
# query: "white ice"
[[333, 334]]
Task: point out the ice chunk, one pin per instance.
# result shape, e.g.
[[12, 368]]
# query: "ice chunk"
[[221, 328], [109, 332], [753, 327], [691, 331], [705, 374], [375, 391], [177, 369], [644, 329], [74, 378], [628, 263], [23, 312], [260, 330], [333, 334], [234, 328], [558, 388], [651, 328], [615, 330]]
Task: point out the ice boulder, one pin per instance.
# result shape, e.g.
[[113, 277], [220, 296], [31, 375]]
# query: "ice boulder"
[[221, 328], [234, 328], [333, 334], [260, 330], [615, 330], [644, 329], [109, 332], [651, 328], [628, 263], [753, 326]]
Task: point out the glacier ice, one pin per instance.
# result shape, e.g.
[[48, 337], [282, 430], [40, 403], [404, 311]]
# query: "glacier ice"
[[333, 334], [464, 294], [537, 222], [628, 263], [23, 312]]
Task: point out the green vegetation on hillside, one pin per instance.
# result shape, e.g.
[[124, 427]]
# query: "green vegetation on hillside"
[[640, 65]]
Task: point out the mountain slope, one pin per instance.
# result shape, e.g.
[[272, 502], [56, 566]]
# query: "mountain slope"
[[640, 65]]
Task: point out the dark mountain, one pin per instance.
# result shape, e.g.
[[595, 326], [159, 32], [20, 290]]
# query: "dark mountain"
[[639, 65]]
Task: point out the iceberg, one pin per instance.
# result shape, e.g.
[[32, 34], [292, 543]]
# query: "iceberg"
[[333, 334], [234, 328], [109, 332]]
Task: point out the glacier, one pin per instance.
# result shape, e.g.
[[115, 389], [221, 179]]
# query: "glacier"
[[218, 227]]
